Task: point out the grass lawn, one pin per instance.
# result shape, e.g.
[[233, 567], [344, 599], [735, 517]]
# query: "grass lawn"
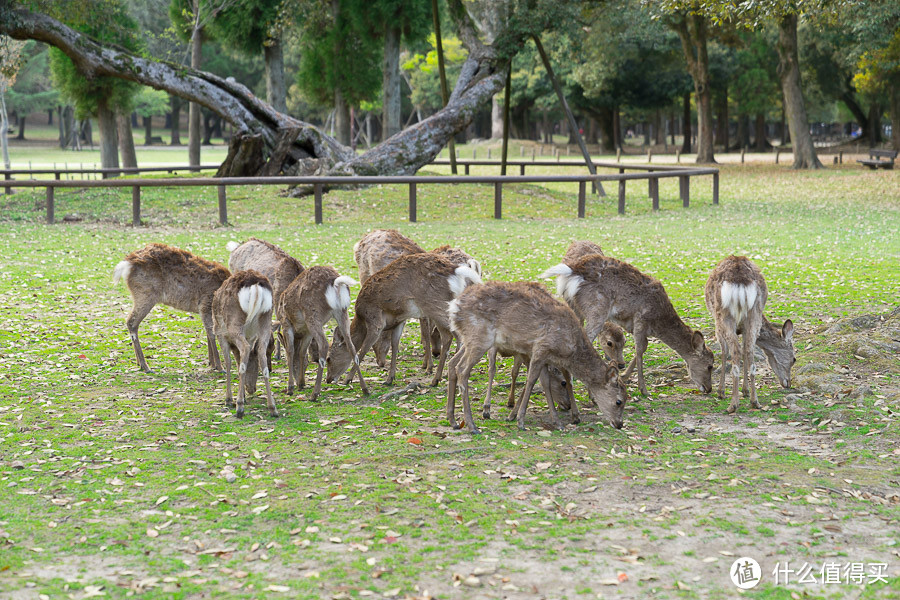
[[115, 482]]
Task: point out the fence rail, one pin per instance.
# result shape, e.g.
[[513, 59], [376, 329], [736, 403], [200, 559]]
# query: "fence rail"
[[320, 184]]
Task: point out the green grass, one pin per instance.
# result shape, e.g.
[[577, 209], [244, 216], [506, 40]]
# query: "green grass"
[[333, 499]]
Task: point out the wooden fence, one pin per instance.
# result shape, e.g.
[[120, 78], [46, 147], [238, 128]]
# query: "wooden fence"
[[321, 184]]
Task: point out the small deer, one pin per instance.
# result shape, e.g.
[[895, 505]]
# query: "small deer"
[[279, 267], [162, 274], [242, 312], [515, 319], [316, 296], [607, 289], [415, 286], [736, 295], [611, 337]]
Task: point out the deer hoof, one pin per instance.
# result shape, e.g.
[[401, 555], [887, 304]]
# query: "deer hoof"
[[274, 414], [577, 420], [240, 413], [486, 415], [475, 431], [732, 408]]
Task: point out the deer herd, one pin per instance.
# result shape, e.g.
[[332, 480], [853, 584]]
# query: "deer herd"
[[601, 298]]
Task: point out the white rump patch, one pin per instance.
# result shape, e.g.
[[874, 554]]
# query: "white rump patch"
[[475, 265], [123, 269], [232, 246], [739, 299], [254, 300], [567, 282], [337, 295], [453, 311], [461, 275]]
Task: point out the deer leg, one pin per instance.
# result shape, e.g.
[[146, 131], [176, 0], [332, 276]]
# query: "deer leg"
[[395, 348], [750, 368], [382, 347], [343, 323], [251, 375], [140, 310], [244, 352], [305, 345], [640, 346], [722, 343], [212, 351], [511, 399], [734, 349], [492, 370], [446, 342], [570, 395], [319, 336], [226, 350], [290, 355], [452, 376], [464, 370], [262, 349], [551, 405], [534, 369]]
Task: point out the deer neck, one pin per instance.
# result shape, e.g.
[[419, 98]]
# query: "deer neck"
[[675, 334]]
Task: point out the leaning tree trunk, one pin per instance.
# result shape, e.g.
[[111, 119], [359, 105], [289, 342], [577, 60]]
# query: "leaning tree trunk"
[[276, 91], [856, 110], [692, 30], [390, 83], [109, 146], [265, 141], [789, 74], [126, 141]]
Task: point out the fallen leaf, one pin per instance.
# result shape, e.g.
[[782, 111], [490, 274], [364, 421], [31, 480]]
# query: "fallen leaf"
[[161, 499], [278, 588], [415, 441]]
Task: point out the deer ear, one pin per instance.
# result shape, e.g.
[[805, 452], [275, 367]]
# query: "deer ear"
[[612, 371], [697, 340], [787, 330]]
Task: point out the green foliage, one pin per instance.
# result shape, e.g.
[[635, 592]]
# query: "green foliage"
[[755, 84], [879, 70], [424, 76], [33, 90], [149, 102], [248, 25]]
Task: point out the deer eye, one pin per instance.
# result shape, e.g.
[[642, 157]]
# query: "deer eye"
[[609, 344], [618, 403]]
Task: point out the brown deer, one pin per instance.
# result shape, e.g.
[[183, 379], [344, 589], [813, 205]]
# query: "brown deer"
[[516, 319], [316, 296], [607, 289], [279, 267], [415, 286], [736, 295], [242, 312], [611, 337], [162, 274]]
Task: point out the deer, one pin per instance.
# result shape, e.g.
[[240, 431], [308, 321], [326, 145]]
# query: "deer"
[[515, 319], [242, 315], [607, 289], [736, 295], [415, 286], [611, 337], [163, 274], [318, 295], [277, 265]]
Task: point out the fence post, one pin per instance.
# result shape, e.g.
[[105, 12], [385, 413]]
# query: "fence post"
[[412, 202], [649, 155], [223, 206], [654, 192], [136, 206], [621, 196], [841, 157], [581, 197], [50, 207], [777, 154], [8, 177], [467, 168], [57, 175], [678, 155], [498, 200], [618, 155], [715, 189], [522, 169], [685, 191], [317, 189]]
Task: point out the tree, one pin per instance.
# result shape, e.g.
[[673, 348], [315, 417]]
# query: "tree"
[[254, 25], [755, 83], [33, 91], [789, 73], [10, 62], [269, 142], [147, 103], [879, 72], [102, 97]]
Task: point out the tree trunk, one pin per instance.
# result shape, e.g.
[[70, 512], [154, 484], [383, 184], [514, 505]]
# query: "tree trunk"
[[481, 76], [496, 117], [760, 132], [148, 131], [175, 103], [194, 108], [20, 135], [49, 116], [617, 128], [789, 74], [785, 134], [391, 81], [109, 143], [692, 30], [743, 131], [126, 141], [686, 124], [856, 110], [895, 116], [86, 133], [722, 121], [875, 111], [341, 119], [276, 90], [591, 137], [659, 128]]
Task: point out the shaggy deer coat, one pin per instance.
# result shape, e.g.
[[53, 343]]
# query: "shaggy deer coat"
[[161, 274], [242, 312]]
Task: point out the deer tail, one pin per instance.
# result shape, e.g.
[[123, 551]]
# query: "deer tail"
[[122, 270], [337, 295], [254, 300], [462, 275], [739, 299], [232, 246], [567, 282]]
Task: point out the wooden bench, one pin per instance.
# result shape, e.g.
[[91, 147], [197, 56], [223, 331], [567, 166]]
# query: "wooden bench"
[[875, 159]]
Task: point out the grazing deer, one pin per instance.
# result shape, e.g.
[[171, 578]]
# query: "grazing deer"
[[161, 274], [517, 319], [373, 252], [736, 295], [607, 289], [611, 337], [279, 267], [242, 312], [316, 296], [415, 286]]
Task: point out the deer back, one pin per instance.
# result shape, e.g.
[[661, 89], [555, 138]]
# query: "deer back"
[[736, 287], [304, 301], [579, 249], [377, 249], [243, 306], [268, 259], [458, 257]]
